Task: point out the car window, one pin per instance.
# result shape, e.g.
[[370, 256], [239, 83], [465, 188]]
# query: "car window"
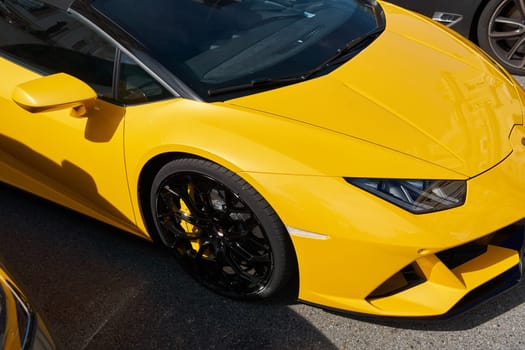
[[135, 85], [49, 40]]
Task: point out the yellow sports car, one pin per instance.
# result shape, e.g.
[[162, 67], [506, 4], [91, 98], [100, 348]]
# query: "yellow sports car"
[[376, 156]]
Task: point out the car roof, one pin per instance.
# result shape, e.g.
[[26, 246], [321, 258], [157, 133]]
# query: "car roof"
[[62, 4]]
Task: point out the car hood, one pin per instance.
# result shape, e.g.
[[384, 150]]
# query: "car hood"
[[416, 89]]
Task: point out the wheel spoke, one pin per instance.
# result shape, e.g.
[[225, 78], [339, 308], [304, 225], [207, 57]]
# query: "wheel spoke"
[[195, 216], [517, 45], [223, 266], [233, 201], [242, 271], [202, 249], [257, 243], [218, 236], [250, 257], [201, 189], [167, 218], [177, 237], [171, 226], [239, 229], [518, 28]]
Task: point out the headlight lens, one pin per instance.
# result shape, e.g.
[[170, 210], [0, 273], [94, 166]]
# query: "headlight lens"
[[416, 196]]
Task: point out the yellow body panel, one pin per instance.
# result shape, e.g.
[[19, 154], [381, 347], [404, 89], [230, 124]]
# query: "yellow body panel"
[[437, 110], [78, 162]]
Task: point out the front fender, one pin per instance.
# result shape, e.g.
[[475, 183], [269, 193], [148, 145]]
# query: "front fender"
[[248, 142]]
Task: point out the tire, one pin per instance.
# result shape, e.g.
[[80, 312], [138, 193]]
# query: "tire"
[[501, 33], [221, 229]]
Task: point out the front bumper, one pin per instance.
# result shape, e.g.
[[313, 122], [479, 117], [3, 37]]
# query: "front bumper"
[[462, 276], [362, 245]]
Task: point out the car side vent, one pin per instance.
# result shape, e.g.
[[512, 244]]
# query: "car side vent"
[[459, 255], [408, 277]]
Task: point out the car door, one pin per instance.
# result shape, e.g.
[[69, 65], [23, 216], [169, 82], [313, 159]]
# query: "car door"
[[71, 158]]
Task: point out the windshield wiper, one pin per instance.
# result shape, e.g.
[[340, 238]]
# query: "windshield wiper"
[[256, 84], [342, 55], [346, 52]]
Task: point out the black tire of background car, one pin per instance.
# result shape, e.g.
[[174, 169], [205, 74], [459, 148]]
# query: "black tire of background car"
[[244, 250], [490, 24]]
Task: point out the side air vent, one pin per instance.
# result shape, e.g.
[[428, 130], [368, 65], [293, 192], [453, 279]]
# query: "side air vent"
[[459, 255], [408, 277]]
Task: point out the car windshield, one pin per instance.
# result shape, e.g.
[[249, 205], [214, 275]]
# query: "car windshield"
[[214, 44]]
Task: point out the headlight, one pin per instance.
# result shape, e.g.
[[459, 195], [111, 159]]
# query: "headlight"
[[416, 196]]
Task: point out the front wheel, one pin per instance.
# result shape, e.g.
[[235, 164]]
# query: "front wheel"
[[221, 229], [501, 33]]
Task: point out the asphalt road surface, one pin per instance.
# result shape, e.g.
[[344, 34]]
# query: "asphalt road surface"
[[520, 80], [100, 288]]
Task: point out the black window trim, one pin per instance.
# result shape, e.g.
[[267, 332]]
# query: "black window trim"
[[22, 63], [116, 76]]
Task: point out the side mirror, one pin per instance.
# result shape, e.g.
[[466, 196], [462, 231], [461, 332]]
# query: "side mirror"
[[54, 92]]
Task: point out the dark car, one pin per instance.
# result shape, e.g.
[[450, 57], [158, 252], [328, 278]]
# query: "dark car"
[[497, 26]]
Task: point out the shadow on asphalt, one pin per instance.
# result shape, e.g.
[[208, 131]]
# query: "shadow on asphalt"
[[100, 288]]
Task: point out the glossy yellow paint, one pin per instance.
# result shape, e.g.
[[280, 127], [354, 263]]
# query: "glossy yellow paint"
[[366, 235], [370, 240], [12, 338], [41, 94], [437, 110]]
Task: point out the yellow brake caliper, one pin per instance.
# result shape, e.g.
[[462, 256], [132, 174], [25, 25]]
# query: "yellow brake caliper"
[[192, 231]]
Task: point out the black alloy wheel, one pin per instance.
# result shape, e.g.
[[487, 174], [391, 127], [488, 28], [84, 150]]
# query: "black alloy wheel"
[[501, 33], [224, 233]]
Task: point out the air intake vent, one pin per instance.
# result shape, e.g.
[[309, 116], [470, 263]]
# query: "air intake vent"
[[408, 277], [458, 256]]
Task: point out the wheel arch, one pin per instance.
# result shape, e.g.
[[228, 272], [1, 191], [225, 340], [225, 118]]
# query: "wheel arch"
[[145, 182], [473, 32], [154, 164]]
